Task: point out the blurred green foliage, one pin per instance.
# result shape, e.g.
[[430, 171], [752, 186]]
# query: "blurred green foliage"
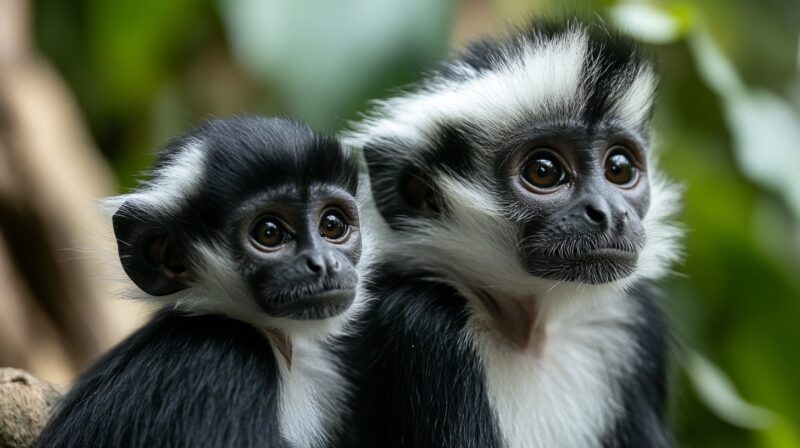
[[148, 70]]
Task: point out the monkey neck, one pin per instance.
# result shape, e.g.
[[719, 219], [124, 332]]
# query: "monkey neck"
[[282, 343], [516, 321]]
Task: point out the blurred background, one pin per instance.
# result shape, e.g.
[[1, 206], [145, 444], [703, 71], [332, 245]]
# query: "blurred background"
[[89, 88]]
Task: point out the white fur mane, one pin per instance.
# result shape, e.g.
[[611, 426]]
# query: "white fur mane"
[[312, 387], [568, 395]]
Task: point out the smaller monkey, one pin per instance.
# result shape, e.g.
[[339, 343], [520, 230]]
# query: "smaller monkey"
[[247, 235]]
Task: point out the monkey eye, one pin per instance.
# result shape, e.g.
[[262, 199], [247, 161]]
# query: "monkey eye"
[[620, 168], [333, 226], [270, 233], [543, 171]]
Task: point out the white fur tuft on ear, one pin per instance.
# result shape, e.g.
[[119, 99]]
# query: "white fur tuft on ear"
[[168, 186]]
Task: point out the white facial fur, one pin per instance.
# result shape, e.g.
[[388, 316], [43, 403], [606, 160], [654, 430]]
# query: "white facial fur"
[[539, 80], [172, 184], [312, 389], [566, 395]]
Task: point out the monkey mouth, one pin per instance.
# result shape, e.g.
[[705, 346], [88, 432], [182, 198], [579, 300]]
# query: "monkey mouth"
[[592, 271], [344, 295], [585, 261], [611, 259], [309, 303], [610, 253], [596, 267]]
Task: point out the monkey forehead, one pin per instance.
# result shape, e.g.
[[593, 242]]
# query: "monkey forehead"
[[569, 74], [243, 155]]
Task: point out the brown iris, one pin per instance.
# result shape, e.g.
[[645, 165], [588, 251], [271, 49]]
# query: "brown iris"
[[619, 167], [269, 232], [544, 172], [333, 226]]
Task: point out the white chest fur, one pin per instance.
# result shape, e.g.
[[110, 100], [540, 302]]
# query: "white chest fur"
[[311, 394], [567, 395]]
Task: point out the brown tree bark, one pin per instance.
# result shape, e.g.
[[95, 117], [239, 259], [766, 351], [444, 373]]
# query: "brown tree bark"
[[56, 309], [25, 402]]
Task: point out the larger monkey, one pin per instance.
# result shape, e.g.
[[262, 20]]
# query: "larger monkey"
[[524, 218]]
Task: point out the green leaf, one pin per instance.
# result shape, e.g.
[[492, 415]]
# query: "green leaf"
[[718, 393]]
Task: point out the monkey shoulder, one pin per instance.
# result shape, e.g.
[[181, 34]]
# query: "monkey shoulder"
[[178, 381], [411, 346], [643, 421]]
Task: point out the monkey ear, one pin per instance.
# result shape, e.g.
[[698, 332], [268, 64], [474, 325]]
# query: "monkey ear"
[[400, 189], [419, 193], [148, 252]]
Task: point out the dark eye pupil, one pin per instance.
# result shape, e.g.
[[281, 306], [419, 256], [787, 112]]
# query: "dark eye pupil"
[[269, 233], [619, 169], [333, 226], [543, 173]]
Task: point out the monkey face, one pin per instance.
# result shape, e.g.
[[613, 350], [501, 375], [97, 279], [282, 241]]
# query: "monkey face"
[[581, 196], [299, 251], [573, 196], [523, 165]]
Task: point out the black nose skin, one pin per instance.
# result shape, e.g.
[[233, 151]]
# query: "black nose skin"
[[594, 212], [315, 263], [595, 215], [320, 263]]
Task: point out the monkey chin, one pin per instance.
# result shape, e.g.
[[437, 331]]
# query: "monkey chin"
[[595, 268], [320, 305]]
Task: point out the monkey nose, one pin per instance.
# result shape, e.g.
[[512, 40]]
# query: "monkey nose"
[[315, 264], [595, 215]]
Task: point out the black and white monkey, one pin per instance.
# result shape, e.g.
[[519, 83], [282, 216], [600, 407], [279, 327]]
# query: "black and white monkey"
[[247, 235], [523, 220]]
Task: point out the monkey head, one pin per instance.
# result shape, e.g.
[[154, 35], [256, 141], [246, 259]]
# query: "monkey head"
[[525, 167], [255, 218]]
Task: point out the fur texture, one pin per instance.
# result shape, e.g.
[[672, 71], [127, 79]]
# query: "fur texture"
[[172, 384], [212, 368], [432, 370]]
